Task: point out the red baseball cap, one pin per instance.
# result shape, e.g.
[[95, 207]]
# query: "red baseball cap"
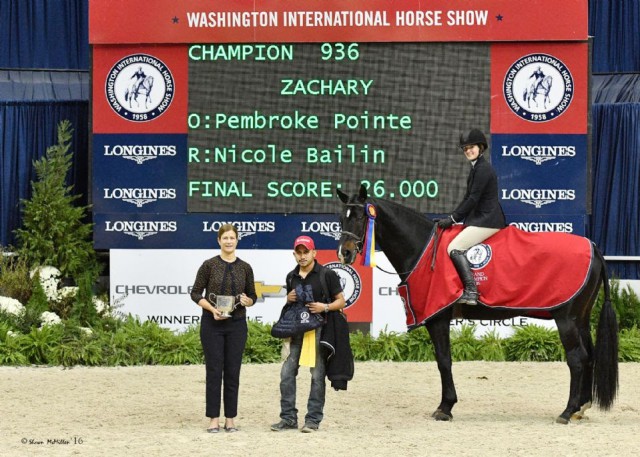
[[305, 241]]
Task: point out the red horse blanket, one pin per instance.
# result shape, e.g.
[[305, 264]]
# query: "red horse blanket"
[[513, 269]]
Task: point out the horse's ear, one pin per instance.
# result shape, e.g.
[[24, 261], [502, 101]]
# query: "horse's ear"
[[344, 198], [362, 195]]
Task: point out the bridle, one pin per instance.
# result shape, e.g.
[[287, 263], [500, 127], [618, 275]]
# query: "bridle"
[[359, 241]]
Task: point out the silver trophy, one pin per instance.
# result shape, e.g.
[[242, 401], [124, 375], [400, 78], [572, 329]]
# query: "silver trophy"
[[224, 303]]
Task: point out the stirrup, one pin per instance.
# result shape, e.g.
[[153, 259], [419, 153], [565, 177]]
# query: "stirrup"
[[468, 298]]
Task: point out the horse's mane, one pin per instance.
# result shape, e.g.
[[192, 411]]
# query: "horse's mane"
[[401, 209], [401, 233]]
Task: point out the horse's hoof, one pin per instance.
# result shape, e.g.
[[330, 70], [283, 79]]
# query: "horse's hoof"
[[562, 420], [440, 416], [435, 413], [578, 416]]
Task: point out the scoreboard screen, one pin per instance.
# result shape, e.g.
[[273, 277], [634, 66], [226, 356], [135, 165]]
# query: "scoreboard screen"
[[277, 127]]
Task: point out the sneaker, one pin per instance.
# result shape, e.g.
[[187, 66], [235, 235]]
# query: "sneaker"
[[309, 428], [284, 425]]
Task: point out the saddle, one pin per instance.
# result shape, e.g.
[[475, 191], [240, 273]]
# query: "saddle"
[[533, 272]]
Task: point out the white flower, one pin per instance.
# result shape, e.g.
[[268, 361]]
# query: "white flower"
[[49, 280], [67, 292], [100, 305], [86, 330], [49, 318], [46, 272], [11, 306], [11, 333]]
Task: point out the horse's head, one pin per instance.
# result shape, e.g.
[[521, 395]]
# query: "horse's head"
[[353, 222]]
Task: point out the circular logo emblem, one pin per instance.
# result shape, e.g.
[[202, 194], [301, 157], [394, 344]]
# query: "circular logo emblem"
[[349, 280], [479, 255], [538, 87], [140, 87]]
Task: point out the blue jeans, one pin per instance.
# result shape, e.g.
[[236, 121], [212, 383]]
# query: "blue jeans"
[[315, 404]]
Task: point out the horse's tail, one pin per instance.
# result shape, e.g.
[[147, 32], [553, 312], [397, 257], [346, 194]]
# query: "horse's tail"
[[605, 364]]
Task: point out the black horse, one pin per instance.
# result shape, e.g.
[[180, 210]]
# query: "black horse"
[[402, 233]]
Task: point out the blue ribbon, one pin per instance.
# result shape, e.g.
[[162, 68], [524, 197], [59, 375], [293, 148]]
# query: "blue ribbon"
[[370, 237]]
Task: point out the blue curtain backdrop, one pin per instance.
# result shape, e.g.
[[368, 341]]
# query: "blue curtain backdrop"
[[615, 222], [52, 34], [31, 106], [615, 28], [40, 35]]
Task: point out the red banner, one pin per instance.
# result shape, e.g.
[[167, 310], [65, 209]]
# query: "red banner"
[[282, 21]]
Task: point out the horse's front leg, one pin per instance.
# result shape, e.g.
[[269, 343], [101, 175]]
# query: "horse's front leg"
[[439, 332]]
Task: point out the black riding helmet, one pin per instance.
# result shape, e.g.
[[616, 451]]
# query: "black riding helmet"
[[474, 136]]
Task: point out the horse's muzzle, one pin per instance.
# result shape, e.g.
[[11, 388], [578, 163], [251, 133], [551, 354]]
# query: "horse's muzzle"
[[347, 253]]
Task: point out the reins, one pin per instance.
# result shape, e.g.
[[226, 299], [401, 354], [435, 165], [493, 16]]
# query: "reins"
[[436, 240]]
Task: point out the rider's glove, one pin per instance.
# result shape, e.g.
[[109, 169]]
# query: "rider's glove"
[[446, 222]]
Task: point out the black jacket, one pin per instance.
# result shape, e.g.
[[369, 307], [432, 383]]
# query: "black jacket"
[[481, 206], [335, 342]]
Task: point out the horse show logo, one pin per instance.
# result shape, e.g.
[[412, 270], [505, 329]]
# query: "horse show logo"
[[538, 87], [349, 280], [139, 87], [479, 255], [304, 317]]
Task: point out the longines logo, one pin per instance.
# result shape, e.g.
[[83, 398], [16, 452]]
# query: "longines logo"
[[538, 87], [538, 197], [566, 227], [330, 229], [538, 154], [141, 229], [140, 153], [139, 87], [245, 228], [349, 280], [139, 196]]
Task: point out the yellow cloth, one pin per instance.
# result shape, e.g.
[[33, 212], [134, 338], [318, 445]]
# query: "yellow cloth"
[[308, 351]]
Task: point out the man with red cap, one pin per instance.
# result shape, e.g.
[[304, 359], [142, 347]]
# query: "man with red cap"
[[307, 274]]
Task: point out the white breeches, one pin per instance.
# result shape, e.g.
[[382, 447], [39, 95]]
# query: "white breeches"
[[470, 236]]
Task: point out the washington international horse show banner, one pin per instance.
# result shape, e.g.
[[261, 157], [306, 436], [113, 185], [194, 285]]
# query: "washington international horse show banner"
[[255, 111]]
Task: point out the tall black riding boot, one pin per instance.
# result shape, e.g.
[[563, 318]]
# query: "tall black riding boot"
[[470, 294]]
